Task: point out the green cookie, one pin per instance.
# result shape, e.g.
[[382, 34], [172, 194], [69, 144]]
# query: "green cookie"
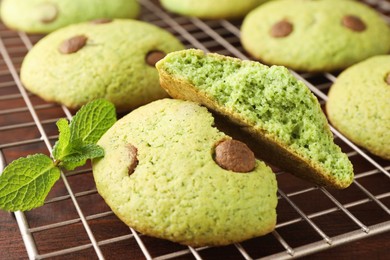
[[113, 60], [159, 176], [44, 16], [211, 9], [279, 111], [359, 104], [321, 35]]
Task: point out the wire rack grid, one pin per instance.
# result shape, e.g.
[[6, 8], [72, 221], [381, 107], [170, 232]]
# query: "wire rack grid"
[[321, 218]]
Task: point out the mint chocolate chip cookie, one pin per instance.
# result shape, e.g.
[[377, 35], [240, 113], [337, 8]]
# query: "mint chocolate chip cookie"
[[44, 16], [279, 111], [169, 173], [321, 35], [211, 9], [359, 104], [100, 59]]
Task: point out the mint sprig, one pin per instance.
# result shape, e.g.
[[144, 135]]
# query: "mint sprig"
[[76, 140], [26, 182]]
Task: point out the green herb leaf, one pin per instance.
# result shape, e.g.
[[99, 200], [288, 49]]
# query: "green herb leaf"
[[81, 155], [92, 121], [60, 147], [25, 183], [77, 141]]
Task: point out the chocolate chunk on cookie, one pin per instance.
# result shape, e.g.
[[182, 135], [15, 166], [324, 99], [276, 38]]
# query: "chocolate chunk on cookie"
[[281, 29], [235, 156], [73, 44]]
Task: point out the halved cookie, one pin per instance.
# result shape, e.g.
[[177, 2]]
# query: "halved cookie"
[[268, 102]]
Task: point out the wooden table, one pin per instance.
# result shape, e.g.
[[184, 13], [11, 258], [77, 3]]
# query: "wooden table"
[[376, 247]]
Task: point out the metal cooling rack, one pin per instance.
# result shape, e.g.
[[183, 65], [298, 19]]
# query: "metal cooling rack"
[[27, 125]]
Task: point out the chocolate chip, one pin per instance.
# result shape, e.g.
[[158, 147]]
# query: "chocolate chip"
[[133, 152], [153, 57], [101, 21], [73, 44], [388, 79], [281, 29], [234, 156], [48, 12], [354, 23]]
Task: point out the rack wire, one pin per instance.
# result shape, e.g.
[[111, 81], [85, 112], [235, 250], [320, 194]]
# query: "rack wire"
[[321, 218]]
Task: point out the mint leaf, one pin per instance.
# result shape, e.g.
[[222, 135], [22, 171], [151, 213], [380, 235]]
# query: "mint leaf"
[[25, 183], [92, 121], [59, 149], [81, 155], [77, 141]]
